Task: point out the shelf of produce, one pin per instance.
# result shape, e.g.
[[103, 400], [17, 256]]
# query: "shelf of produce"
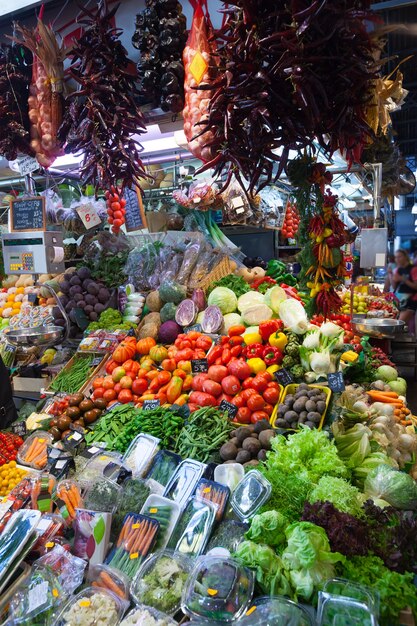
[[292, 389], [93, 373]]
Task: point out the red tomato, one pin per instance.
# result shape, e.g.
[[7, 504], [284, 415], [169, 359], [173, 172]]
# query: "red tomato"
[[224, 396], [243, 415], [131, 374], [231, 385], [98, 382], [239, 401], [258, 416], [98, 393], [110, 366], [117, 387], [256, 403], [217, 373], [271, 395], [210, 386], [197, 383], [247, 393], [259, 383], [129, 365], [204, 343], [240, 369], [202, 399], [199, 354], [108, 382], [109, 394], [273, 385], [268, 408], [126, 382], [125, 396], [247, 383], [139, 386], [266, 376]]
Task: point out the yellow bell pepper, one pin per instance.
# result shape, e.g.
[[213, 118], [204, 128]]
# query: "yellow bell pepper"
[[256, 365], [349, 357], [273, 368], [250, 338], [278, 340]]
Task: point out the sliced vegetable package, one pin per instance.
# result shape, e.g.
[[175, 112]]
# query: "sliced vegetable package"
[[134, 543], [266, 611], [106, 577], [193, 528], [102, 495], [93, 607], [68, 568], [184, 480], [142, 615], [37, 600], [91, 535], [67, 497], [133, 495], [227, 536], [140, 453], [50, 527], [96, 467], [33, 452], [164, 511], [214, 493], [161, 580], [42, 490], [163, 466], [250, 494]]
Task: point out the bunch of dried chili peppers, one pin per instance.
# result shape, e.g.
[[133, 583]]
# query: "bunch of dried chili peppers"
[[103, 115], [15, 75], [321, 235], [292, 72]]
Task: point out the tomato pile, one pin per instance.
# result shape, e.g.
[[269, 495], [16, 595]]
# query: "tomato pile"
[[9, 445], [341, 320], [291, 222], [115, 209]]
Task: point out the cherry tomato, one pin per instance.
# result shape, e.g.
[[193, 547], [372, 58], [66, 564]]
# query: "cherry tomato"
[[259, 416]]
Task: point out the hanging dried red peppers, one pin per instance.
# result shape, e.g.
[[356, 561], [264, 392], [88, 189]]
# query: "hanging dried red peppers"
[[103, 115], [293, 72], [15, 75]]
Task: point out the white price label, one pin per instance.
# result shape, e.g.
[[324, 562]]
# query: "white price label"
[[27, 165], [88, 216]]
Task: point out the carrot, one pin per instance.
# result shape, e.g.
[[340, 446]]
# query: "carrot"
[[389, 394], [141, 535], [42, 461], [125, 530], [380, 396], [406, 422], [34, 449], [108, 583]]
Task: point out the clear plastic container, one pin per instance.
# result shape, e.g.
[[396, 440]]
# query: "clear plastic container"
[[37, 599], [96, 467], [214, 493], [103, 576], [229, 475], [143, 615], [33, 452], [218, 589], [250, 494], [133, 495], [41, 495], [340, 611], [161, 581], [184, 480], [49, 527], [91, 606], [68, 498], [269, 611], [193, 528], [166, 512], [352, 590], [134, 543], [91, 535], [102, 495], [163, 466], [18, 534], [229, 534], [68, 568], [140, 453]]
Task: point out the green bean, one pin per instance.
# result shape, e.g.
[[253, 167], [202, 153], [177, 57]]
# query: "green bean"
[[206, 429], [72, 379]]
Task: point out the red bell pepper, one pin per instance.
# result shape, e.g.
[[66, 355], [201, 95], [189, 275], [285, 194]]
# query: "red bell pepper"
[[266, 329], [254, 350], [272, 355]]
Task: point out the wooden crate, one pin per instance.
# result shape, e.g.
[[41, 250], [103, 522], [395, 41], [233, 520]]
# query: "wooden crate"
[[93, 373]]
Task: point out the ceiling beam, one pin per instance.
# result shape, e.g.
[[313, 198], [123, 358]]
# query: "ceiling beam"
[[392, 4]]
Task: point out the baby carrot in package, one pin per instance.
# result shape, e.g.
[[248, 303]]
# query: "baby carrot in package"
[[34, 452]]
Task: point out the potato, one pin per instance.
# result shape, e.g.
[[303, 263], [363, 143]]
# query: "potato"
[[310, 425], [265, 438], [290, 416], [281, 423], [262, 455], [234, 441], [299, 405], [314, 417], [243, 456], [310, 405], [228, 451], [253, 463], [320, 406], [252, 445], [242, 433]]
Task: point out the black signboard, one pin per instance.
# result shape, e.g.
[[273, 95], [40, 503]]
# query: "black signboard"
[[149, 405], [199, 365], [189, 329], [336, 382], [230, 408], [27, 214], [283, 377], [81, 319], [135, 214], [19, 428]]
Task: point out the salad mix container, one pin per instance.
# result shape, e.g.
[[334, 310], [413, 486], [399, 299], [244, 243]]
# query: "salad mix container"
[[250, 494], [140, 453]]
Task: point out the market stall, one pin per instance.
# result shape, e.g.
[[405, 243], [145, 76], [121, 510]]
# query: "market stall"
[[216, 432]]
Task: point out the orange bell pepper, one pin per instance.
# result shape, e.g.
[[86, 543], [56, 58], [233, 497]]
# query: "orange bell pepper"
[[187, 382], [174, 389]]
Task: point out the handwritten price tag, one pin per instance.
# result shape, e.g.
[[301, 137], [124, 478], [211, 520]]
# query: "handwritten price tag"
[[27, 165], [88, 216]]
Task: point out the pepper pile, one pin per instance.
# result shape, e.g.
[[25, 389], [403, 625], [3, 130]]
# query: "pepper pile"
[[160, 36], [103, 114], [278, 271]]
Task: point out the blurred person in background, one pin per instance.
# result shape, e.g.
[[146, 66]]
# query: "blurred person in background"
[[391, 267], [404, 280]]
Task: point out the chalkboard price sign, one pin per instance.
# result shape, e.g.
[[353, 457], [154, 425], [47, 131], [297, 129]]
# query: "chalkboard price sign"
[[229, 407], [336, 382], [284, 377], [199, 366], [135, 214], [194, 327], [149, 405], [19, 428], [27, 214]]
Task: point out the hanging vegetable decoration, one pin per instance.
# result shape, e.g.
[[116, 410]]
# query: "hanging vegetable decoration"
[[200, 69], [291, 221], [46, 90], [160, 36], [321, 235], [116, 209], [103, 114], [15, 75], [293, 74]]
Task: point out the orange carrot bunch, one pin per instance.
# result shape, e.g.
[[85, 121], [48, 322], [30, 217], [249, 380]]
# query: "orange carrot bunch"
[[34, 453], [68, 492]]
